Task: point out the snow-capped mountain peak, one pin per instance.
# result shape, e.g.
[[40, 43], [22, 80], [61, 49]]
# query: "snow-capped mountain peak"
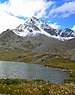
[[32, 22], [33, 26]]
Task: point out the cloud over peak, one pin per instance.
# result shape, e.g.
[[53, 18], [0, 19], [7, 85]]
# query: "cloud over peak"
[[54, 25], [73, 28], [28, 8]]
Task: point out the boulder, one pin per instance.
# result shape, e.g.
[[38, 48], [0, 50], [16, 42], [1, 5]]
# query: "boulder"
[[72, 57]]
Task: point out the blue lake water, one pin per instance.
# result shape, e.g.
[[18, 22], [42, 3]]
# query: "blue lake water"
[[27, 71]]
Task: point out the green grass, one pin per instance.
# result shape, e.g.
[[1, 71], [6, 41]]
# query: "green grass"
[[12, 81], [16, 56], [60, 63], [36, 87], [71, 79]]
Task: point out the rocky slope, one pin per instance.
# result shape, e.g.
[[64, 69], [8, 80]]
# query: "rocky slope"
[[39, 43]]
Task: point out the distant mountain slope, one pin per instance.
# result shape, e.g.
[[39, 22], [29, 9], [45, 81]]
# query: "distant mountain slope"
[[69, 44], [9, 40]]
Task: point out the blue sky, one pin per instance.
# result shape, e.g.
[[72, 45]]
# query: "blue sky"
[[59, 14]]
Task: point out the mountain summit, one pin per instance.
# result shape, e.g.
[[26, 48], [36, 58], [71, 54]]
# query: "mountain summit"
[[34, 26]]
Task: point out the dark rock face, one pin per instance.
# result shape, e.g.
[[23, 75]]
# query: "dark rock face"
[[67, 33]]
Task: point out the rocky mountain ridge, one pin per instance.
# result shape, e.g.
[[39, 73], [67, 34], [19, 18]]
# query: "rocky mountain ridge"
[[34, 26], [40, 43]]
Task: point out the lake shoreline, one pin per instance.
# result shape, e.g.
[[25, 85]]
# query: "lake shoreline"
[[37, 87], [58, 62], [71, 71], [21, 70]]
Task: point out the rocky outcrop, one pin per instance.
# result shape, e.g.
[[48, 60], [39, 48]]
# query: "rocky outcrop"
[[44, 57], [72, 57]]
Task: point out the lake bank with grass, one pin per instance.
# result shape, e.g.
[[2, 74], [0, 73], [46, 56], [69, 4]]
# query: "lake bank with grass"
[[60, 60], [39, 87]]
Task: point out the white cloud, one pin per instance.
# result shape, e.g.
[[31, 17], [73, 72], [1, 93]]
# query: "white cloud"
[[21, 8], [64, 10], [54, 25], [8, 22], [73, 28], [67, 0], [28, 8]]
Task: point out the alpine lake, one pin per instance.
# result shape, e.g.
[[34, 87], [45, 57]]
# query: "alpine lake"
[[22, 70]]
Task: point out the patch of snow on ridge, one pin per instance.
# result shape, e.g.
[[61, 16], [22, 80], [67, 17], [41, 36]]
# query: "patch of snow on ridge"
[[22, 33], [34, 33], [67, 38]]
